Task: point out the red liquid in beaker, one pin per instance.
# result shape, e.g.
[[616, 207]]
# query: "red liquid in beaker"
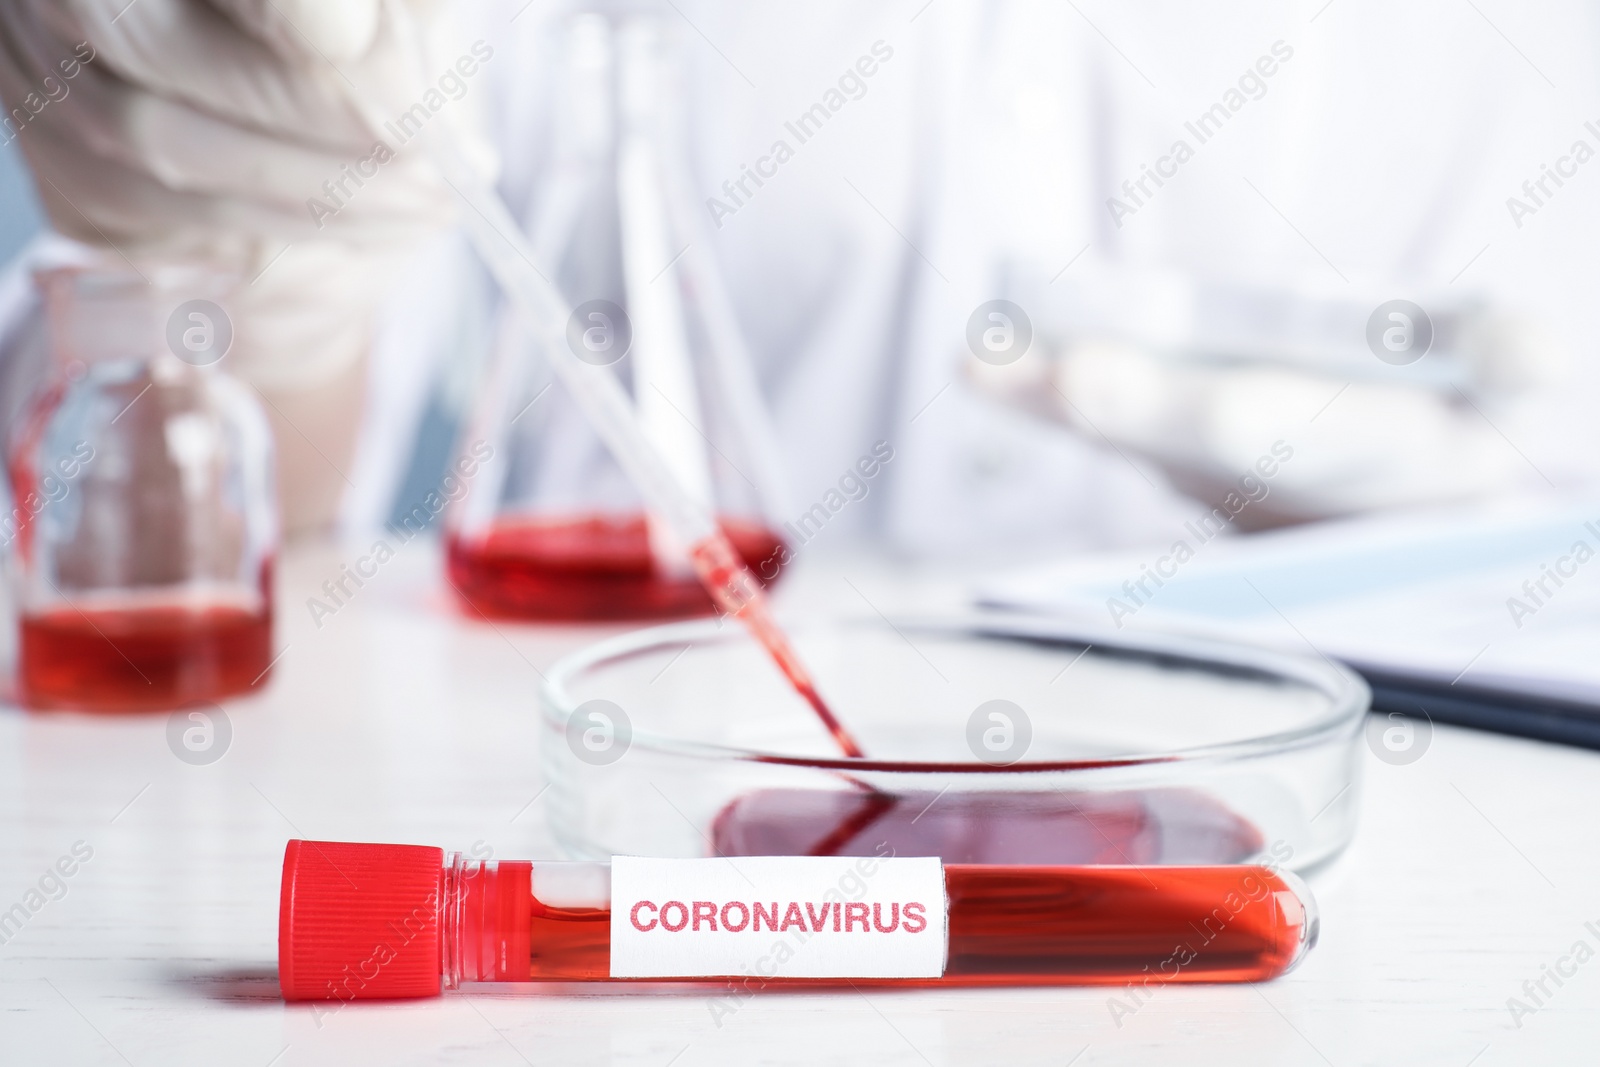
[[146, 658], [589, 569]]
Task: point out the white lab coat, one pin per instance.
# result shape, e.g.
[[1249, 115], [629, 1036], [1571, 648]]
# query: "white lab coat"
[[1379, 156], [834, 266]]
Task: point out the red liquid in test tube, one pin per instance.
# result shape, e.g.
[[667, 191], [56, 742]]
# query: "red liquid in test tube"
[[385, 921]]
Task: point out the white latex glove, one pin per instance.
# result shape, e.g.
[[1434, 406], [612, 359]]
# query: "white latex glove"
[[1351, 446], [202, 128], [1204, 382]]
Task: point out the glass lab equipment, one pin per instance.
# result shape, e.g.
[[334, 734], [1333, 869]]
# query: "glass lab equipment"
[[990, 739], [552, 527], [145, 522], [370, 921]]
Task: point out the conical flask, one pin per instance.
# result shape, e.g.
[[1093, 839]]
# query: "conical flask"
[[551, 527]]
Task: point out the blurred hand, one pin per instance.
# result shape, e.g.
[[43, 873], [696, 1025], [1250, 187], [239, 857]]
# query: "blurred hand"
[[1352, 446], [1352, 433], [223, 130]]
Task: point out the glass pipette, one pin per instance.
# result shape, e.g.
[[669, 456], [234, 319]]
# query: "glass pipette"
[[509, 256]]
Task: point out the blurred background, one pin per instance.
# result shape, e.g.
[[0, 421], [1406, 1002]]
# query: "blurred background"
[[1196, 216]]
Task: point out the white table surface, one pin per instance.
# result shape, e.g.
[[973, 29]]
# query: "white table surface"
[[400, 720]]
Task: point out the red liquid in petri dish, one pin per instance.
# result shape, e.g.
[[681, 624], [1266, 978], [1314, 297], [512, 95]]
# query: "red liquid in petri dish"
[[1150, 826], [588, 569], [143, 658]]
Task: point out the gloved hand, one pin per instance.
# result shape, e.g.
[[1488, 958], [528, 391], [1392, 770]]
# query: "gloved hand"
[[223, 129], [1332, 447], [1274, 398]]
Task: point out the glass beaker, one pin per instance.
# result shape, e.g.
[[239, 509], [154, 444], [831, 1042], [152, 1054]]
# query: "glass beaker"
[[145, 522], [552, 528]]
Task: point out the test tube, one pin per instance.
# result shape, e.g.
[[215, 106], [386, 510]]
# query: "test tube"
[[370, 921]]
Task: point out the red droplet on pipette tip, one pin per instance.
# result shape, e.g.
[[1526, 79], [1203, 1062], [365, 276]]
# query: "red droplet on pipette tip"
[[737, 592]]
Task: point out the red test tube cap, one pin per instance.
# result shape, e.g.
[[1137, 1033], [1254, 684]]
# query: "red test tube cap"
[[359, 921]]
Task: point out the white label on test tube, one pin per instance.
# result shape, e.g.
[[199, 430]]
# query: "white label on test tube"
[[778, 917]]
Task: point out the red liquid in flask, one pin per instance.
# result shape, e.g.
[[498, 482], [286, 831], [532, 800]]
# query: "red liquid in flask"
[[143, 658], [594, 568]]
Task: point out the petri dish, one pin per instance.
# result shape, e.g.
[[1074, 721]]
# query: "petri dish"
[[990, 739]]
